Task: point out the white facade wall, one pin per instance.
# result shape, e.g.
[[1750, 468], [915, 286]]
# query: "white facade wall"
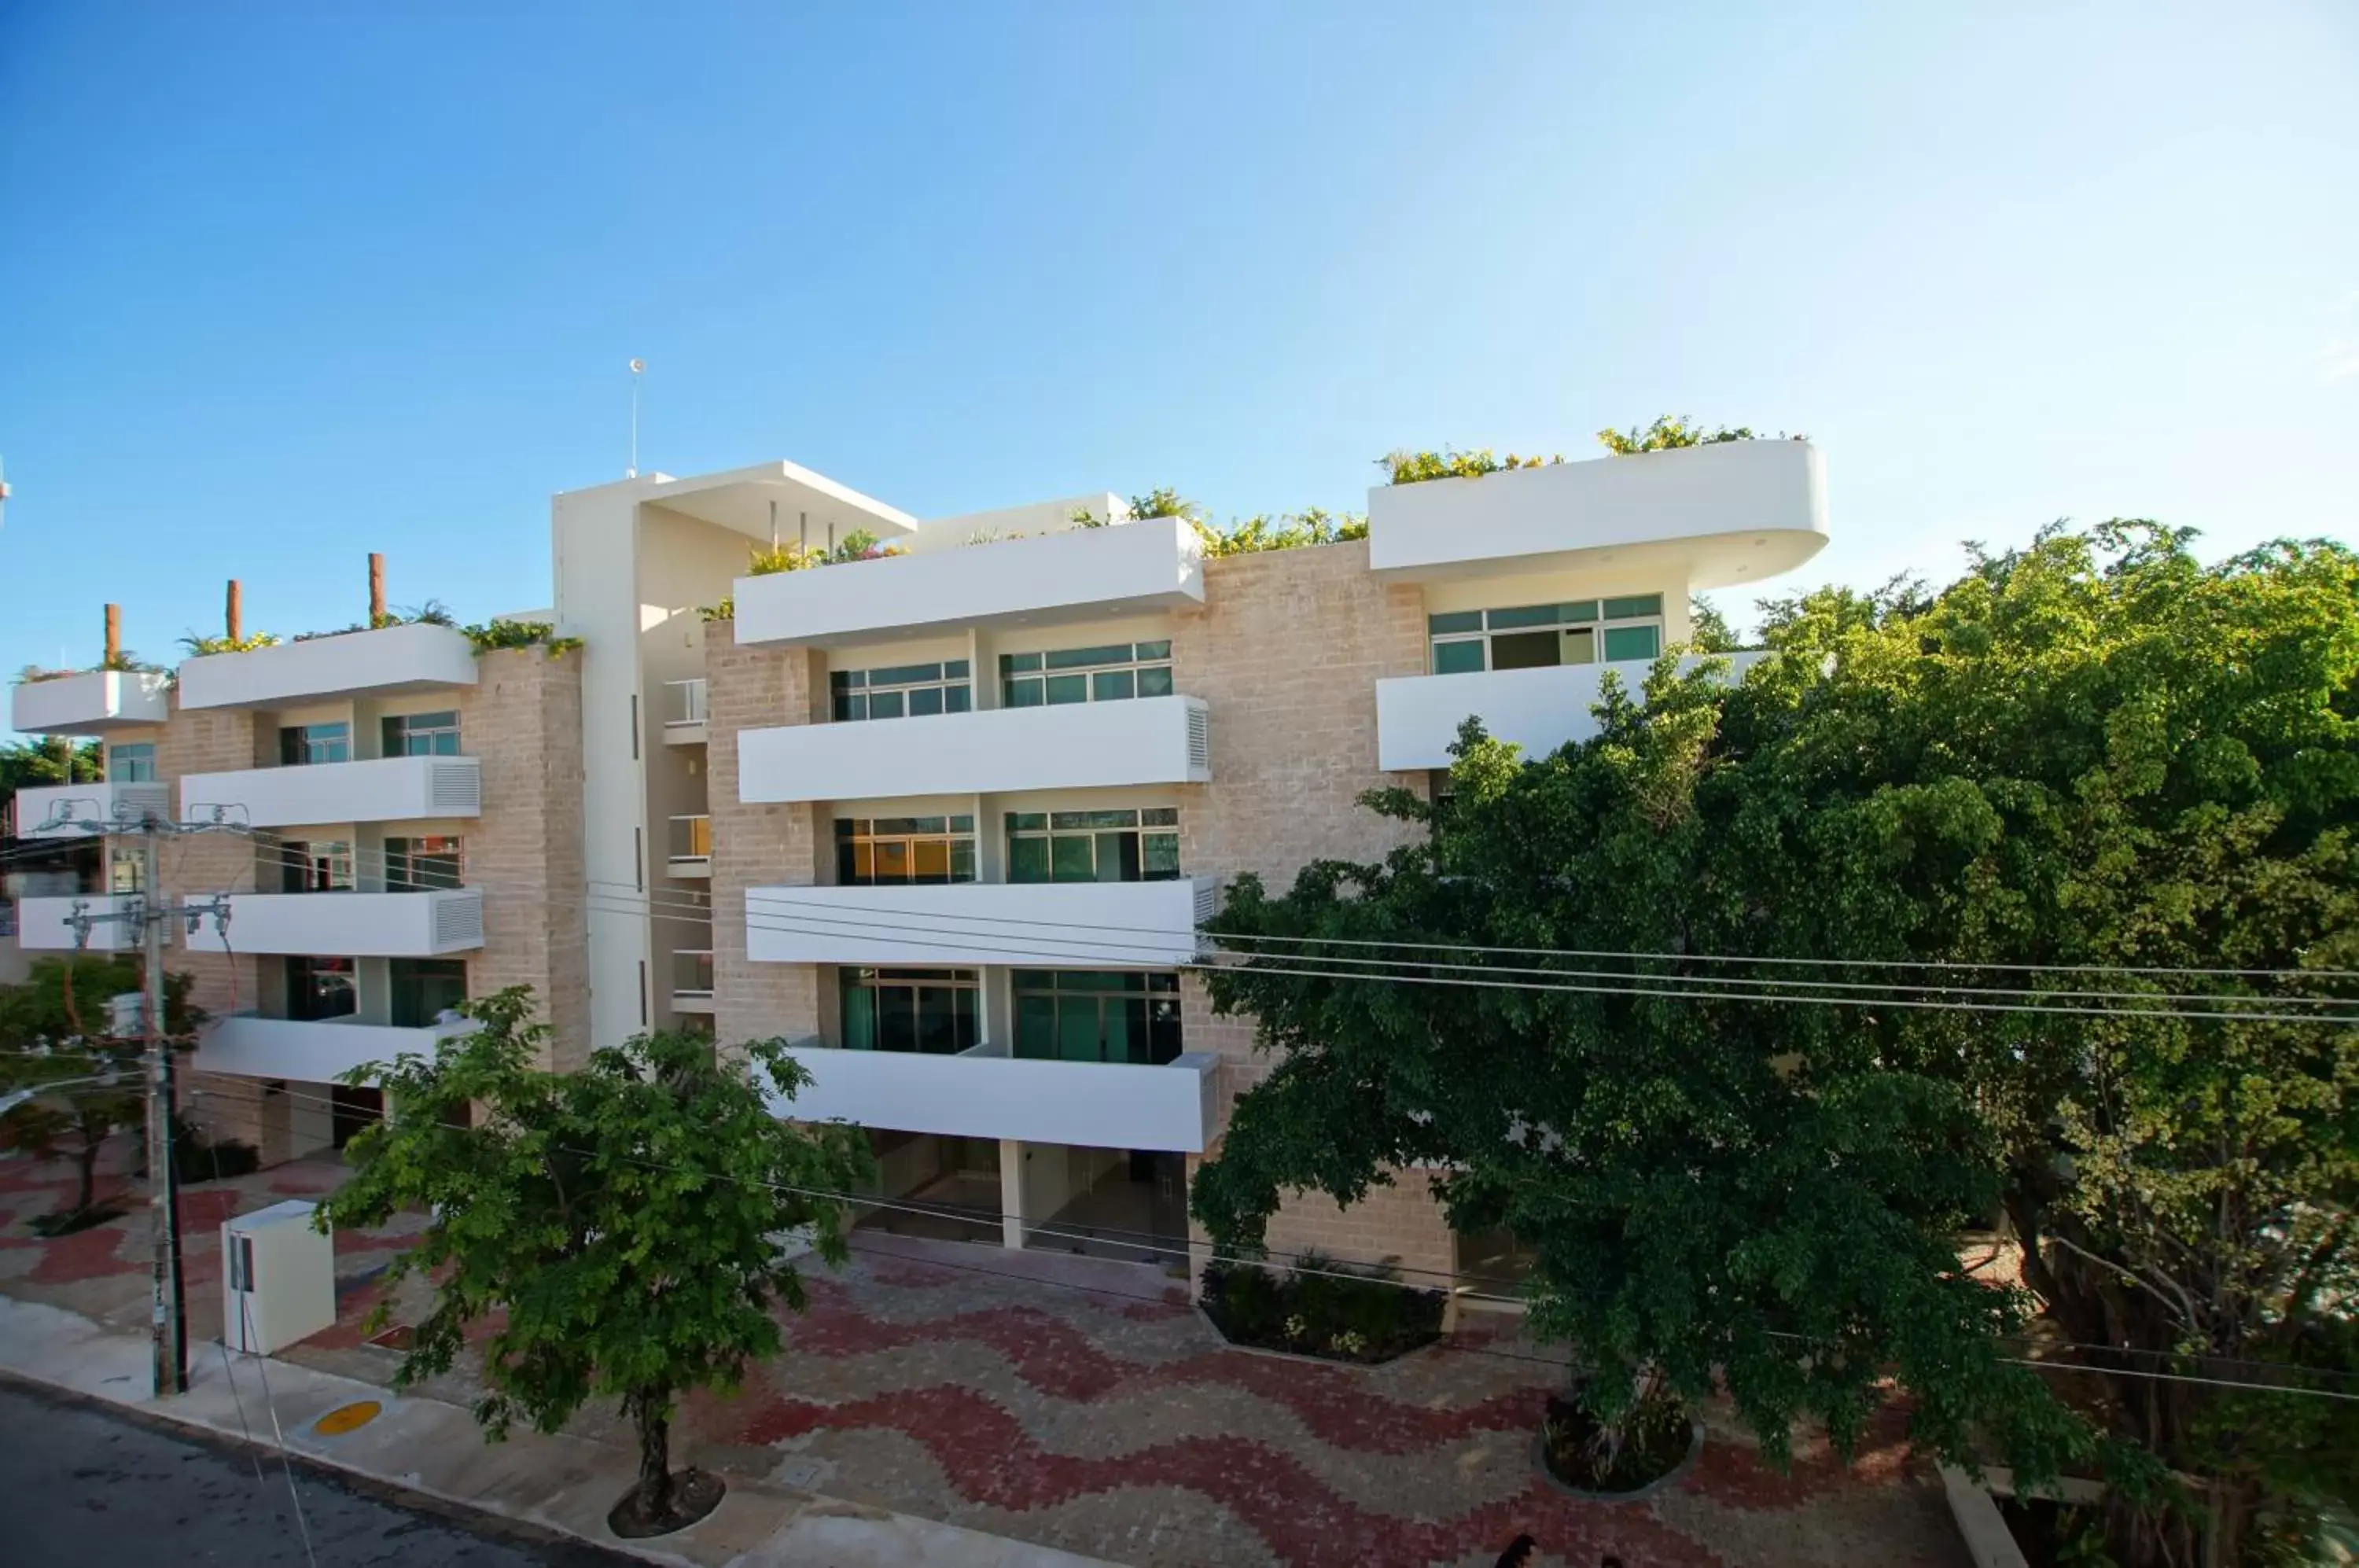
[[1106, 1105], [1538, 710], [388, 789], [93, 702], [373, 925], [1148, 740], [390, 660], [1046, 925]]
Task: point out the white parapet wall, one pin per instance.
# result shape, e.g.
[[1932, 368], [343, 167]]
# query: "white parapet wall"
[[359, 925], [391, 659], [93, 702], [316, 1051], [65, 804], [1054, 925], [1100, 1104], [1418, 716], [1150, 740], [1132, 568], [388, 789]]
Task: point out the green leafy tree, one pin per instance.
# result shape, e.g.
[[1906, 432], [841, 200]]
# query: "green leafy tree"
[[626, 1218], [53, 1031], [2097, 751], [1709, 631], [32, 763], [1290, 530], [1672, 432]]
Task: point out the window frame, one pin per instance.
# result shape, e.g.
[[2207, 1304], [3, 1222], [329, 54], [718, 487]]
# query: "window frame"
[[1153, 1032], [851, 693], [140, 756], [297, 743], [852, 833], [406, 881], [1122, 664], [1597, 618], [1019, 827], [876, 980], [392, 724]]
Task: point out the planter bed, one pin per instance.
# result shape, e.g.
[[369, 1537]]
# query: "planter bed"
[[1322, 1310]]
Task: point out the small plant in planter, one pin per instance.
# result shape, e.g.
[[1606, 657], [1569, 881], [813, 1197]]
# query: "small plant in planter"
[[1602, 1441], [1323, 1307]]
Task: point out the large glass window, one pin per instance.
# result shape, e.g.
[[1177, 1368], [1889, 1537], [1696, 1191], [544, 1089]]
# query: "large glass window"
[[903, 690], [317, 865], [1135, 846], [1107, 674], [418, 865], [873, 850], [321, 989], [301, 745], [421, 734], [1090, 1014], [930, 1010], [1531, 637], [424, 988], [131, 764]]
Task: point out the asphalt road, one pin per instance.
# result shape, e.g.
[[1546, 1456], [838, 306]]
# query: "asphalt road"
[[84, 1486]]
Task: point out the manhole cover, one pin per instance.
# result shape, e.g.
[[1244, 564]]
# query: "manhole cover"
[[347, 1418]]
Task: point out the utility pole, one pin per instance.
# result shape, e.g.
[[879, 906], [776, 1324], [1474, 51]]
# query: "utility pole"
[[168, 1320]]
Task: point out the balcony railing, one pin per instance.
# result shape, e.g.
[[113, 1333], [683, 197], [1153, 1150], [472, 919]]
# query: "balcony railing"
[[691, 973], [690, 851], [683, 703]]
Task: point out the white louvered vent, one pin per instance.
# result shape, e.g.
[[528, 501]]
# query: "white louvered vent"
[[140, 802], [456, 789], [458, 920], [1200, 740], [1208, 899]]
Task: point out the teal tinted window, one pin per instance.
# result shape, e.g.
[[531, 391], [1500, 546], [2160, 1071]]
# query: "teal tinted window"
[[1627, 609], [1017, 663], [1154, 683], [1113, 685], [1455, 621], [1578, 613], [1064, 689], [1082, 658], [1632, 642], [1522, 616], [131, 764], [1458, 657], [1025, 694]]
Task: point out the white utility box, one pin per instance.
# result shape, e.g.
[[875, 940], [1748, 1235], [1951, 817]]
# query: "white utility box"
[[279, 1279]]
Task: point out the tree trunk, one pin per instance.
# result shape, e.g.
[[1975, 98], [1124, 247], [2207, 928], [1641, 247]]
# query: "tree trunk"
[[655, 1454], [86, 1168]]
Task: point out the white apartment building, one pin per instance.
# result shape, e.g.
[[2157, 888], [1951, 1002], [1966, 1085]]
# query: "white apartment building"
[[946, 819]]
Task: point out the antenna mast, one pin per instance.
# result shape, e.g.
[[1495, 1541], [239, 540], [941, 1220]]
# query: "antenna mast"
[[638, 367]]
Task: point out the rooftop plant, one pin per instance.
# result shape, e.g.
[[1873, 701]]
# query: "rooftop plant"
[[496, 634], [1414, 467], [1670, 432], [724, 611], [434, 613], [125, 662], [858, 545], [200, 645], [1285, 531]]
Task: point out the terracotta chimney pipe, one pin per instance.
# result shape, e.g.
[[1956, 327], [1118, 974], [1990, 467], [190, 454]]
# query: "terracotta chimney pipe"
[[236, 617], [376, 588], [113, 634]]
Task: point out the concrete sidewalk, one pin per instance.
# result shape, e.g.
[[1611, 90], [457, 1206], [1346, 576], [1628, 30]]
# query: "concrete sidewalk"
[[560, 1483]]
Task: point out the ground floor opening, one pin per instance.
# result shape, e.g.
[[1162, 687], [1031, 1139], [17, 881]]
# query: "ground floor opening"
[[1125, 1205]]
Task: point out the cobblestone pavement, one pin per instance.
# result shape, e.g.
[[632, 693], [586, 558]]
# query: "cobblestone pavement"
[[1084, 1404]]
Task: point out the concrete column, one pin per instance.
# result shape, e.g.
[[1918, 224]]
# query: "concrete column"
[[1011, 1192]]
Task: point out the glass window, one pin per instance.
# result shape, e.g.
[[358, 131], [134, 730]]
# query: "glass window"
[[1633, 642], [1113, 673], [1535, 636], [127, 871], [1129, 845], [304, 744], [934, 1011], [418, 865], [422, 989], [317, 865], [1090, 1014], [131, 764], [901, 690], [321, 989], [877, 851], [421, 734]]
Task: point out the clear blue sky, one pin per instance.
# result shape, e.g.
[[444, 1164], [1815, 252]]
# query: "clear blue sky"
[[281, 285]]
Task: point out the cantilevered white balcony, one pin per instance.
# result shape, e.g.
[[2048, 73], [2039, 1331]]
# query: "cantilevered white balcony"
[[1046, 925], [93, 702], [1076, 574], [45, 925], [384, 662], [1149, 740], [60, 804], [1104, 1104], [389, 790], [363, 925], [315, 1052], [1734, 513], [1418, 716]]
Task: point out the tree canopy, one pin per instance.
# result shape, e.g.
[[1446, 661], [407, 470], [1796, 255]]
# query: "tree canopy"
[[2097, 759], [628, 1220]]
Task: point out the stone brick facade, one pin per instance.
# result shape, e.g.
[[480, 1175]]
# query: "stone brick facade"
[[757, 845]]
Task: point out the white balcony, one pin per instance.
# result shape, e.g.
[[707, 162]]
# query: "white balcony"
[[389, 790], [363, 925], [1076, 574], [311, 1051], [1149, 740], [384, 662], [683, 712], [91, 703], [41, 923], [692, 980], [1734, 513], [60, 804], [1417, 715], [1053, 925], [1102, 1105], [689, 849]]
